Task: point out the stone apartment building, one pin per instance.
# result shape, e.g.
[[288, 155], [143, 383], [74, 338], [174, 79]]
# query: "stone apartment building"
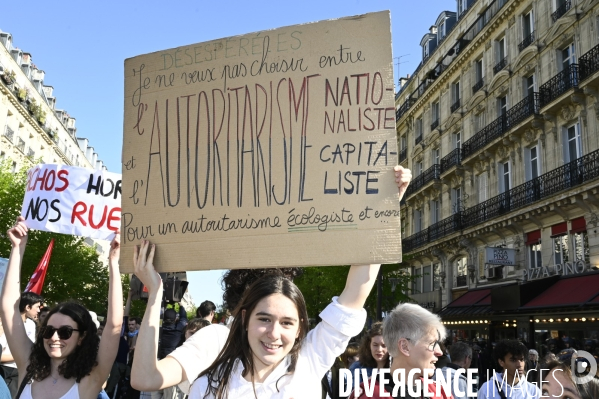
[[32, 127], [500, 126]]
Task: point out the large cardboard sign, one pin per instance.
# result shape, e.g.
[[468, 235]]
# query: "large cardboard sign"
[[274, 148], [72, 200]]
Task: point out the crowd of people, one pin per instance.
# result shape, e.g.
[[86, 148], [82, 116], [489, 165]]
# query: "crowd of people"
[[264, 347]]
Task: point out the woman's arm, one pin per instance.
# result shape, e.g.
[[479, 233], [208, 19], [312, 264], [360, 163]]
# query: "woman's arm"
[[14, 328], [360, 279], [109, 343], [147, 373]]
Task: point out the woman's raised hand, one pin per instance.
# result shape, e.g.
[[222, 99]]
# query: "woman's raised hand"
[[115, 247], [18, 233], [403, 177], [144, 266]]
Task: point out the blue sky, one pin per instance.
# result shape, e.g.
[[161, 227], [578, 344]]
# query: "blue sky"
[[82, 47]]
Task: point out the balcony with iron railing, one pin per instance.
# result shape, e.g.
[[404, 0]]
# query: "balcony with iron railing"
[[435, 124], [589, 63], [527, 41], [461, 281], [529, 106], [559, 84], [9, 133], [500, 65], [450, 160], [404, 108], [572, 174], [403, 155], [478, 85], [21, 145], [455, 106], [561, 10], [432, 173]]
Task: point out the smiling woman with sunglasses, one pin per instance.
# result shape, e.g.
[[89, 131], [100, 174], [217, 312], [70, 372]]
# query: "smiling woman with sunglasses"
[[67, 360]]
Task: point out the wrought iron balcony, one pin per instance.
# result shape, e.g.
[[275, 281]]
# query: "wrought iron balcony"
[[455, 106], [500, 65], [418, 139], [579, 171], [525, 108], [490, 132], [478, 85], [432, 173], [9, 133], [21, 145], [589, 63], [461, 281], [450, 160], [404, 108], [527, 41], [403, 155], [559, 84], [561, 10], [435, 124], [30, 153]]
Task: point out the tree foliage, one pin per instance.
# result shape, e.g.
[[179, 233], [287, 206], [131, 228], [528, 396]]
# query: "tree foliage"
[[75, 272], [320, 284]]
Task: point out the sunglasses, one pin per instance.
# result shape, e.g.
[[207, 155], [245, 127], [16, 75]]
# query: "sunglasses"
[[64, 332]]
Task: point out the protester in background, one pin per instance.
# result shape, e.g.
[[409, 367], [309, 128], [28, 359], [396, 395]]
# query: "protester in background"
[[65, 359], [511, 357], [29, 308], [461, 358], [350, 356], [372, 353], [206, 311], [412, 335], [532, 366], [43, 313], [192, 327]]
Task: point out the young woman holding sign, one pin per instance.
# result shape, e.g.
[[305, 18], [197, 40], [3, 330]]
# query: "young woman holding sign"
[[68, 360], [269, 352]]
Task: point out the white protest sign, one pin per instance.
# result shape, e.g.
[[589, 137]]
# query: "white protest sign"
[[72, 200]]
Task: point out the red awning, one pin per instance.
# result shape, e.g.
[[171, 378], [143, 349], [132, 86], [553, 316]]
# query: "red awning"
[[559, 229], [568, 292], [533, 237], [471, 298], [578, 225]]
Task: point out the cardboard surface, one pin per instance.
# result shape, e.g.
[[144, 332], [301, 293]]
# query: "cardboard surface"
[[73, 200], [274, 148]]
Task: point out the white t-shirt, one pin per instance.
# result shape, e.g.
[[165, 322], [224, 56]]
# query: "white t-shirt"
[[199, 351], [319, 350], [30, 328]]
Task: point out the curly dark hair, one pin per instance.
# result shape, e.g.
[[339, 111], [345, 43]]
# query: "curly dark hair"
[[82, 360], [235, 282], [365, 353], [509, 346], [237, 345]]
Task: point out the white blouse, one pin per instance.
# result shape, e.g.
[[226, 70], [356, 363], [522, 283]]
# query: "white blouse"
[[319, 350]]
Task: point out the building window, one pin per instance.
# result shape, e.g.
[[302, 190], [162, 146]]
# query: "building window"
[[434, 115], [457, 140], [417, 221], [418, 129], [504, 178], [501, 51], [573, 147], [427, 279], [533, 163], [529, 86], [436, 156], [533, 243], [455, 96], [568, 56], [417, 286], [479, 70], [462, 7], [456, 200], [581, 246], [527, 24], [560, 249], [501, 105], [417, 168], [441, 32], [483, 188], [460, 271], [435, 211]]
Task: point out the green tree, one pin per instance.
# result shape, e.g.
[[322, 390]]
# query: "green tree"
[[75, 272]]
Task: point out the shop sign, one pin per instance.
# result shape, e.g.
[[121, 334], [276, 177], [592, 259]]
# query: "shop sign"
[[500, 256], [565, 269], [427, 305]]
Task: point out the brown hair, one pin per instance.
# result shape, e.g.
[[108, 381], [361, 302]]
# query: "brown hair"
[[237, 346], [351, 351], [365, 353]]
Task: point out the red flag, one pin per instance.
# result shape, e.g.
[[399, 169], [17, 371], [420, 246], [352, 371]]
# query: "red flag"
[[37, 280]]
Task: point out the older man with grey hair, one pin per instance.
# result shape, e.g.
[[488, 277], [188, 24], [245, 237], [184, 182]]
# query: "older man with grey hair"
[[461, 358], [532, 366], [412, 335]]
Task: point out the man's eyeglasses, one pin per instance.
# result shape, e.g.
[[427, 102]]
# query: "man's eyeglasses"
[[64, 332]]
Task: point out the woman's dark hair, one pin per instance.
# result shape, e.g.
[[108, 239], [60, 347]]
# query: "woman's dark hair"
[[235, 282], [237, 345], [511, 346], [350, 352], [82, 360], [365, 353]]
